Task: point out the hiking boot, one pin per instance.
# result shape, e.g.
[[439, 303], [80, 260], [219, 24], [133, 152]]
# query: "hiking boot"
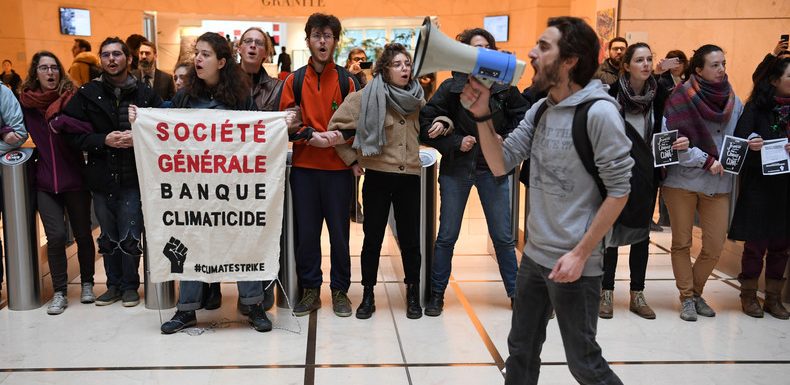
[[259, 320], [130, 298], [688, 311], [341, 305], [268, 295], [639, 305], [413, 308], [773, 298], [213, 298], [368, 304], [111, 296], [749, 302], [59, 303], [435, 304], [311, 301], [182, 319], [86, 295], [702, 307], [605, 310]]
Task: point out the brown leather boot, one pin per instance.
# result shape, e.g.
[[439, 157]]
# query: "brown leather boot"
[[773, 298], [639, 305], [605, 310], [749, 303]]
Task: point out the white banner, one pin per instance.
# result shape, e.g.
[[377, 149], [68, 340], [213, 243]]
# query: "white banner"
[[212, 185]]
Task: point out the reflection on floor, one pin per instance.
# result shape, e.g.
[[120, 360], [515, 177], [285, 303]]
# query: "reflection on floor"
[[466, 345]]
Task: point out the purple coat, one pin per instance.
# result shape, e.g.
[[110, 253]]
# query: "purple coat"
[[58, 165]]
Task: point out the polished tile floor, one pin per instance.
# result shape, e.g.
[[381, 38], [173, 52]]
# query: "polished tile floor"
[[466, 345]]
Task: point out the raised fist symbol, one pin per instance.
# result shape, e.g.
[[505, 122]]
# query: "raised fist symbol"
[[176, 252]]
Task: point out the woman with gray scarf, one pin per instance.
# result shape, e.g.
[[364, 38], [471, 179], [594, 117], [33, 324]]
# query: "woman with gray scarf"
[[383, 121]]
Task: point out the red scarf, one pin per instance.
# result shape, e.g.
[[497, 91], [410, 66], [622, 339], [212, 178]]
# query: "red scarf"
[[49, 102]]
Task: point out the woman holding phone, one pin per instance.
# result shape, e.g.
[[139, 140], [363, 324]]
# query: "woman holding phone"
[[671, 70]]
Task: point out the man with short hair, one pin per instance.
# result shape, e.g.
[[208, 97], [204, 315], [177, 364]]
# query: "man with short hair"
[[96, 121], [284, 63], [85, 65], [320, 180], [133, 42], [160, 81], [11, 79], [609, 70], [562, 262]]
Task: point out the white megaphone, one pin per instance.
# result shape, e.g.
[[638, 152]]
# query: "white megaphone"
[[437, 52]]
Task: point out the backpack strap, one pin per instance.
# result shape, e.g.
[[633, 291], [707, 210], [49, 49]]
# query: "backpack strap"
[[297, 84], [581, 141], [342, 77], [539, 113]]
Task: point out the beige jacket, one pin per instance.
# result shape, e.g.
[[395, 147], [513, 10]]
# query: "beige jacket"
[[401, 154]]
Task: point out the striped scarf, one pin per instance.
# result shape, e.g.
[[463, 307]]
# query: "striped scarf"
[[696, 102]]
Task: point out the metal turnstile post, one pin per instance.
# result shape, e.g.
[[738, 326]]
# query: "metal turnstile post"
[[428, 189], [158, 296], [19, 230], [288, 278]]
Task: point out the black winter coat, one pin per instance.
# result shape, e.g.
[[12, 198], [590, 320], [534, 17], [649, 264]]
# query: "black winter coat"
[[507, 106], [108, 168], [763, 208]]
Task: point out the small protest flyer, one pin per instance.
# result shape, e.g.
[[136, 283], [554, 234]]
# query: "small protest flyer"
[[733, 153], [663, 154], [212, 188], [775, 159]]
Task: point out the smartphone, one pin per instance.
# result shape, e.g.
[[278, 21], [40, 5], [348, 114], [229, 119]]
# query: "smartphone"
[[784, 37], [366, 65], [668, 64]]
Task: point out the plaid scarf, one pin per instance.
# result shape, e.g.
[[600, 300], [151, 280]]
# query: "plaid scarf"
[[696, 102]]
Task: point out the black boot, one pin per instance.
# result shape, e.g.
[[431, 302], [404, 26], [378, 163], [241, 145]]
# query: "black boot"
[[413, 308], [435, 305], [368, 304]]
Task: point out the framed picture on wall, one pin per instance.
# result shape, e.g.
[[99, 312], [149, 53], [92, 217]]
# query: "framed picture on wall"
[[498, 26], [75, 21]]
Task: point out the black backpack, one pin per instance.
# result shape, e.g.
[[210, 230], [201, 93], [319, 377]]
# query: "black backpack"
[[632, 225], [342, 78]]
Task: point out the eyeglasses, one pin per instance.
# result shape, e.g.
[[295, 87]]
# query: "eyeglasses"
[[106, 55], [358, 58], [326, 36], [43, 68], [249, 41]]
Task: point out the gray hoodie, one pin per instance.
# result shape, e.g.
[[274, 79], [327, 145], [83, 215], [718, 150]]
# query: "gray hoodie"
[[563, 197], [11, 119]]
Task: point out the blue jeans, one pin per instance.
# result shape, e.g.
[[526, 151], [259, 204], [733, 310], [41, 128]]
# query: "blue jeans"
[[120, 216], [495, 198], [191, 294], [576, 305]]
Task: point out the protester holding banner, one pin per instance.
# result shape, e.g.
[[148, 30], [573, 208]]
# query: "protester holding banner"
[[216, 82], [96, 121], [383, 121], [464, 166], [762, 213], [641, 105], [321, 182], [59, 184], [703, 109]]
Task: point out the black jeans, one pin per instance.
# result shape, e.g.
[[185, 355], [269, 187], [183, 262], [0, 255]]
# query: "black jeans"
[[402, 191], [637, 263], [52, 208], [576, 306], [318, 196]]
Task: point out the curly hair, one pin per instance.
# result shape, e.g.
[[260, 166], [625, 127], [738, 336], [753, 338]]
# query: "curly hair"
[[233, 88], [31, 81], [321, 21], [387, 56], [580, 41], [467, 35]]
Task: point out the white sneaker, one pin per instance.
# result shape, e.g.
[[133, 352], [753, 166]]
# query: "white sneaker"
[[87, 295], [58, 304]]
